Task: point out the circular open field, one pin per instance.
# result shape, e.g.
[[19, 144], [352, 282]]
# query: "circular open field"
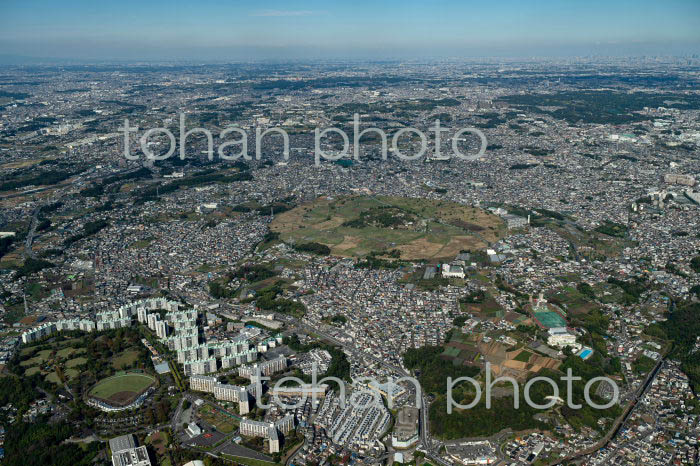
[[121, 389]]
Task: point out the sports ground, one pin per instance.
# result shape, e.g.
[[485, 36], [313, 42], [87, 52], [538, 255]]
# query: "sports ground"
[[122, 388], [550, 319]]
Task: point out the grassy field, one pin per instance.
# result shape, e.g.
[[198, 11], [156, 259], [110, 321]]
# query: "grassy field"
[[26, 351], [591, 244], [67, 359], [572, 299], [67, 352], [523, 356], [249, 461], [76, 362], [460, 337], [31, 371], [432, 229], [222, 422], [159, 441], [125, 359], [133, 383], [488, 308], [39, 358]]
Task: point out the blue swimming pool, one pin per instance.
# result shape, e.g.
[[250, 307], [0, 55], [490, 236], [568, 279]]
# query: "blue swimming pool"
[[585, 353]]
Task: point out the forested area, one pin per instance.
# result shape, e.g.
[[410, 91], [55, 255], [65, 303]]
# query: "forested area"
[[40, 444]]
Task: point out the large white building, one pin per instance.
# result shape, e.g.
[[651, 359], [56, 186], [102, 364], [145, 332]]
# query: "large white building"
[[514, 221], [452, 271], [251, 428], [264, 368], [472, 453], [162, 329], [44, 330], [204, 366], [195, 353], [126, 452], [153, 320], [182, 315], [224, 392], [302, 391], [39, 332], [142, 315], [405, 433], [268, 430], [239, 358], [122, 317], [228, 392], [87, 325], [183, 340], [143, 308], [113, 324], [203, 383], [560, 337]]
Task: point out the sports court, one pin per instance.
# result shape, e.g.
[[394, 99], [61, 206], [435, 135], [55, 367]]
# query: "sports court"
[[550, 319]]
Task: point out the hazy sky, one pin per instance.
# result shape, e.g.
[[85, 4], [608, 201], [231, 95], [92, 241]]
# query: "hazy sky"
[[229, 29]]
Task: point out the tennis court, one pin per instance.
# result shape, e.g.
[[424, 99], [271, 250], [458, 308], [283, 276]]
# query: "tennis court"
[[550, 319]]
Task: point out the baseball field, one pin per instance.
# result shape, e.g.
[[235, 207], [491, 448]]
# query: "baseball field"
[[121, 388]]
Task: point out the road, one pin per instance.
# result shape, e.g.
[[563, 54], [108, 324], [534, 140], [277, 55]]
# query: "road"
[[65, 183], [638, 394], [28, 251], [432, 452], [176, 417]]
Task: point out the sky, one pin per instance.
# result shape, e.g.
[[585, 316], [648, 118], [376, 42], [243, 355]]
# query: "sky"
[[212, 30]]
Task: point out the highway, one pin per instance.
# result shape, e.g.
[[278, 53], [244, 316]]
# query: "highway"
[[28, 252]]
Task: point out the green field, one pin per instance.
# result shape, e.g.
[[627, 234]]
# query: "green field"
[[249, 461], [131, 383], [550, 319], [222, 422], [26, 351], [125, 359], [66, 352], [451, 351], [33, 366], [462, 337], [572, 300], [39, 358], [76, 362], [159, 440], [417, 228]]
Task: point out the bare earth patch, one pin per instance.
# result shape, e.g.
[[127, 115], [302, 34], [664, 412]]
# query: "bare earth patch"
[[419, 249], [349, 242], [122, 398], [334, 222]]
